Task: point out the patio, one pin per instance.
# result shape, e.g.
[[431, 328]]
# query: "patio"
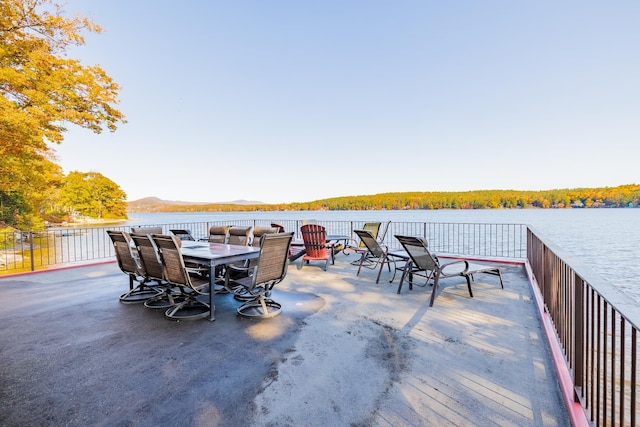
[[345, 351]]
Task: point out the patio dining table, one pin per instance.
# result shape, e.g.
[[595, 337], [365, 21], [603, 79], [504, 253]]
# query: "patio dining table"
[[214, 254]]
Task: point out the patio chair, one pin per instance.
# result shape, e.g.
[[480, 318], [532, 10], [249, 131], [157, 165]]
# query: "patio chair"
[[359, 247], [378, 255], [315, 244], [424, 263], [240, 235], [219, 234], [239, 270], [295, 250], [260, 232], [278, 227], [145, 231], [193, 289], [131, 266], [150, 260], [270, 270], [182, 234], [381, 235]]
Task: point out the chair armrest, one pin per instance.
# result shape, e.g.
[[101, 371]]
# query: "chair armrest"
[[352, 243], [464, 272]]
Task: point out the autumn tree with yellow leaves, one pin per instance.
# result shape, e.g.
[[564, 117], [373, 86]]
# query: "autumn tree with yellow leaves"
[[42, 92]]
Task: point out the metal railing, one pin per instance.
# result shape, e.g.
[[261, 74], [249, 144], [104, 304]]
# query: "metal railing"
[[37, 250], [597, 328], [596, 325]]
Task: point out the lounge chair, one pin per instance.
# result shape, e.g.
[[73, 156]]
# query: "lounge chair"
[[424, 263], [378, 255], [359, 246], [383, 234]]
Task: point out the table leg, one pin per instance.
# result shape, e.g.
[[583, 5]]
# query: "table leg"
[[212, 291], [344, 246]]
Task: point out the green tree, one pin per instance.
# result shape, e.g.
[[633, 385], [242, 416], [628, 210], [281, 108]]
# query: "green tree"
[[27, 184], [43, 91], [91, 194]]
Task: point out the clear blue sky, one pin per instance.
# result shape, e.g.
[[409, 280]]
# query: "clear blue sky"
[[284, 101]]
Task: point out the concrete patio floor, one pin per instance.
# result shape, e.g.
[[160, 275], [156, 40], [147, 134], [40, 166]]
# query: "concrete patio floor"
[[344, 352]]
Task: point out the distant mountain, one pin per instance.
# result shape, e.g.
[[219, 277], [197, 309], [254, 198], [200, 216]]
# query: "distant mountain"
[[150, 204]]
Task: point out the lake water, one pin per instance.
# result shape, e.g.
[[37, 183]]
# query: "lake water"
[[606, 240]]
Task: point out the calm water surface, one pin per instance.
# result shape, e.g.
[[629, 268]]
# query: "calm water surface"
[[605, 240]]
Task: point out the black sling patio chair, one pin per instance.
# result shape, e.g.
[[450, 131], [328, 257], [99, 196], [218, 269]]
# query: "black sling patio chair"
[[378, 255], [424, 263], [358, 246]]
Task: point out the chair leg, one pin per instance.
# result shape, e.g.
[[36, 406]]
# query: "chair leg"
[[189, 309], [407, 267], [469, 278], [404, 272], [260, 307], [395, 269], [435, 289], [360, 266], [167, 299], [380, 271], [139, 293], [362, 255]]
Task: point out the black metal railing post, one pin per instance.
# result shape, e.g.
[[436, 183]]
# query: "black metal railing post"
[[32, 252], [578, 344]]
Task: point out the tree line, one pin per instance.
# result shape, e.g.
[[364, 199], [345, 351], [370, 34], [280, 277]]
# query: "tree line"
[[604, 197]]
